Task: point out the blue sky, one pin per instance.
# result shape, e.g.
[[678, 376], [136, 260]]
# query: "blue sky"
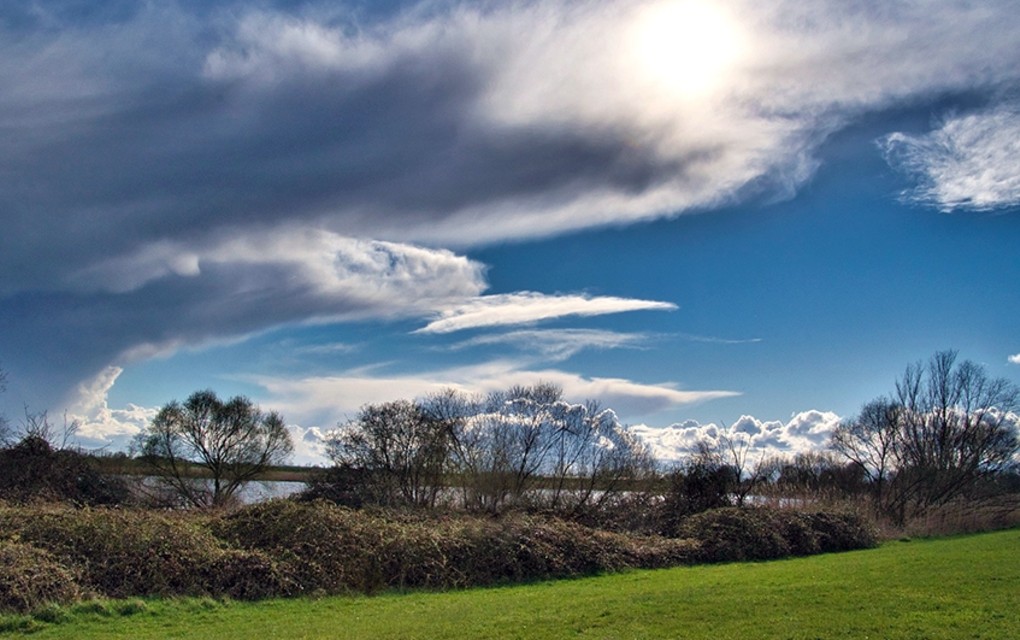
[[709, 216]]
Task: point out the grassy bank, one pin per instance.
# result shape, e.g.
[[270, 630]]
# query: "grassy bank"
[[963, 587]]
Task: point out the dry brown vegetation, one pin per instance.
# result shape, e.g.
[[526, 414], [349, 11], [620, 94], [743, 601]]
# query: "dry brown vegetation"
[[283, 548]]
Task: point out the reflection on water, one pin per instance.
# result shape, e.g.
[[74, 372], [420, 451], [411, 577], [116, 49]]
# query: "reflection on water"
[[262, 490], [251, 493]]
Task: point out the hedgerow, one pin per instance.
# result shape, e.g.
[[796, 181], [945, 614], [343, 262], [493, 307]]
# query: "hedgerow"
[[736, 534], [58, 554]]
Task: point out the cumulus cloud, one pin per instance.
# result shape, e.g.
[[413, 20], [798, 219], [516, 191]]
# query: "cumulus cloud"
[[804, 431], [99, 425], [1015, 359], [528, 307], [309, 445], [970, 161]]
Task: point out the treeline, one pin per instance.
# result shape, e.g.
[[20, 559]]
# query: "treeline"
[[947, 437]]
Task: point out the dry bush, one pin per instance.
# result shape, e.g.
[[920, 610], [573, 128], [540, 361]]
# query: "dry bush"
[[121, 553], [282, 547], [737, 534], [962, 516], [333, 549], [31, 578]]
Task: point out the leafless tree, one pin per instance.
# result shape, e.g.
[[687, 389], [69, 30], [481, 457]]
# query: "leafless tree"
[[948, 426], [398, 450], [205, 449], [870, 441], [6, 433], [527, 445]]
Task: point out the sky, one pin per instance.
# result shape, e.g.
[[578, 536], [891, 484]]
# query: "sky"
[[712, 217]]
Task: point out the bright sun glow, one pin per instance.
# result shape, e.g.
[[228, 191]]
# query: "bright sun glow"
[[685, 47]]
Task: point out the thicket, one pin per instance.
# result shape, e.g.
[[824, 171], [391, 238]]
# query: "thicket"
[[34, 469], [59, 554]]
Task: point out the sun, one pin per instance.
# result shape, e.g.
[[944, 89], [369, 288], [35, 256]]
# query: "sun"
[[685, 47]]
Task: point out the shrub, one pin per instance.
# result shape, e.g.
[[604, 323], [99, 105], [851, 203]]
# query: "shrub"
[[735, 534], [34, 470], [325, 547], [318, 543], [55, 554], [121, 553], [841, 531], [31, 578], [246, 575]]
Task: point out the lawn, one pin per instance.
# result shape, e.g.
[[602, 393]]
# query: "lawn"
[[961, 587]]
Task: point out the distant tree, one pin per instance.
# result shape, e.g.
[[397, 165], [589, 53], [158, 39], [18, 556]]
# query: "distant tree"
[[522, 447], [528, 446], [871, 440], [6, 433], [205, 449], [817, 474], [391, 453], [948, 427], [701, 482]]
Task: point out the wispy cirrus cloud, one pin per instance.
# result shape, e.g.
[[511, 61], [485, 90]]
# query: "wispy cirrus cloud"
[[528, 307], [176, 174], [969, 162], [324, 400], [560, 344]]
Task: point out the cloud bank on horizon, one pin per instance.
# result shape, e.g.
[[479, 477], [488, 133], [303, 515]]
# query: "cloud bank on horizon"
[[174, 175]]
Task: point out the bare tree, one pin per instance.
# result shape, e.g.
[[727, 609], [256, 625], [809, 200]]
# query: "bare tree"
[[527, 445], [205, 450], [6, 433], [870, 441], [957, 426], [948, 426], [38, 425], [397, 449]]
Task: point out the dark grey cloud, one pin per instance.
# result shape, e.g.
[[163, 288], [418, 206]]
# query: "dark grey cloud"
[[53, 340], [175, 173]]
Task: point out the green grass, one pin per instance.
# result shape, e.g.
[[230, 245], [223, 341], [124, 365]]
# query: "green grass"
[[964, 587]]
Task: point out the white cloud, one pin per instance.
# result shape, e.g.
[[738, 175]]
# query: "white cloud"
[[309, 446], [98, 424], [970, 162], [463, 123], [804, 431], [325, 264], [326, 400], [529, 307], [1015, 359], [560, 344], [218, 171]]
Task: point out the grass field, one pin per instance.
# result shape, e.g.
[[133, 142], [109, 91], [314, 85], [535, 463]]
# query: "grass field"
[[963, 587]]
